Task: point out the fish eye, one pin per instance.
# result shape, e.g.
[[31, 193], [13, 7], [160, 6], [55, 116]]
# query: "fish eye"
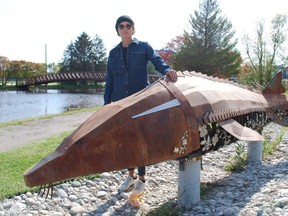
[[78, 142]]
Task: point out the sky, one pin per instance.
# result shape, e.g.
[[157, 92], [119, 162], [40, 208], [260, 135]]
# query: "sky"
[[36, 30]]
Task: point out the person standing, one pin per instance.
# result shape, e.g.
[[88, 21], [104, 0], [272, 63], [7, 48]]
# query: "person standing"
[[127, 74]]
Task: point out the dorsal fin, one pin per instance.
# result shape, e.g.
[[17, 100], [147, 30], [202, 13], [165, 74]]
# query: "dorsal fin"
[[275, 86]]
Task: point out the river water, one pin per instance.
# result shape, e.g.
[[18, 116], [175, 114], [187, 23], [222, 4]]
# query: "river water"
[[15, 105]]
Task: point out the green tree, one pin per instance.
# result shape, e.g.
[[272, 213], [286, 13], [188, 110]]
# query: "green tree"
[[53, 67], [4, 73], [209, 47], [265, 52], [99, 59], [69, 60], [83, 48], [84, 54]]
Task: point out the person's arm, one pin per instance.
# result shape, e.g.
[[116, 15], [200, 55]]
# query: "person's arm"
[[108, 89], [160, 65], [108, 85]]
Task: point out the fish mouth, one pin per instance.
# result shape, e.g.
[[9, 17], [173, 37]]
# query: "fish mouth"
[[39, 174]]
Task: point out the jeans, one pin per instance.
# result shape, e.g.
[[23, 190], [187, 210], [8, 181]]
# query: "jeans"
[[141, 170]]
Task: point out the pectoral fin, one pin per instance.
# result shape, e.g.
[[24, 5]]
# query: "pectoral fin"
[[239, 131]]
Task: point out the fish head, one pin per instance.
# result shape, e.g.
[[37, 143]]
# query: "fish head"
[[111, 139]]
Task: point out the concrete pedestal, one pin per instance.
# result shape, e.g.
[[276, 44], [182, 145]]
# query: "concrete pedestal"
[[189, 182], [189, 174], [254, 152]]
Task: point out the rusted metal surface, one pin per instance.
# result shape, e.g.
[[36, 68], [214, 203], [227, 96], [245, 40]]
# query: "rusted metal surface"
[[163, 122]]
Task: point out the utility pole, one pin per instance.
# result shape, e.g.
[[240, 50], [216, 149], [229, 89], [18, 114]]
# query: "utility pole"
[[46, 57]]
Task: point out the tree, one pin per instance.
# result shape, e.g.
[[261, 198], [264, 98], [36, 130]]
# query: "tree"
[[19, 69], [265, 53], [99, 59], [53, 68], [69, 60], [4, 64], [84, 55], [209, 47], [23, 69], [167, 55]]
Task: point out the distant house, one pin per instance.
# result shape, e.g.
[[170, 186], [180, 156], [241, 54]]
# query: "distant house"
[[284, 71]]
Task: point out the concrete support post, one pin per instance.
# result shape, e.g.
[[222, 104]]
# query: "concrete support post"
[[254, 151], [189, 181]]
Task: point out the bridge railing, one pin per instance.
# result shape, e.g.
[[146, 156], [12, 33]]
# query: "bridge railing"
[[98, 76], [66, 76]]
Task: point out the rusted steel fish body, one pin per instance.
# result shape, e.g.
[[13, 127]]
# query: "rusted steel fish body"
[[165, 121]]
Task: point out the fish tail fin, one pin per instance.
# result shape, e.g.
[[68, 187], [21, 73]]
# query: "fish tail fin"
[[275, 86]]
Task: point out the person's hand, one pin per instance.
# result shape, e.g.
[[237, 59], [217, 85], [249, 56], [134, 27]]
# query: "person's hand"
[[172, 74]]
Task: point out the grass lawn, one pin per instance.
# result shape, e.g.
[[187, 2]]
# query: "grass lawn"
[[15, 162]]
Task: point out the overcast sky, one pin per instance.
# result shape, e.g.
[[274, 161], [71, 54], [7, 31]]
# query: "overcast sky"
[[28, 25]]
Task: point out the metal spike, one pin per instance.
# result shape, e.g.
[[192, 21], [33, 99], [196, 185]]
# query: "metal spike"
[[167, 105]]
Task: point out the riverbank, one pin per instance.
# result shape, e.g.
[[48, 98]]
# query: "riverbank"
[[32, 131]]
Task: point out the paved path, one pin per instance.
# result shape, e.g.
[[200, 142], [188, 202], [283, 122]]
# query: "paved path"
[[28, 132]]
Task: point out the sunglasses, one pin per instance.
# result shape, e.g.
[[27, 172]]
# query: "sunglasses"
[[128, 26]]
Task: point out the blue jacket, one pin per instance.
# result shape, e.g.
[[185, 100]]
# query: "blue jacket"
[[122, 81]]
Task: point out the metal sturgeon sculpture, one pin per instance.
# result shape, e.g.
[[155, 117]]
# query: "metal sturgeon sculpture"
[[165, 121]]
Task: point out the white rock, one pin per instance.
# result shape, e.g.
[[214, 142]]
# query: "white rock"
[[101, 194], [77, 210], [17, 207], [62, 193]]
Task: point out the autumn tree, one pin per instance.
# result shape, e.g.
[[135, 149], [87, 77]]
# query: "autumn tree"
[[24, 69], [265, 52], [85, 54], [168, 53], [19, 69], [210, 46]]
